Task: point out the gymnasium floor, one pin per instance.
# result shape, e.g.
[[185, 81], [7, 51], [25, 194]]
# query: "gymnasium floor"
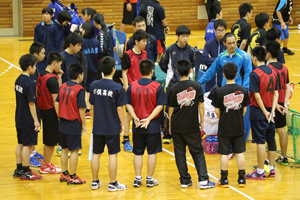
[[284, 185]]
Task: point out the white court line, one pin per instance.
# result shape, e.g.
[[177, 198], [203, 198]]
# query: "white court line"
[[295, 32], [295, 74], [295, 49], [11, 65], [245, 195]]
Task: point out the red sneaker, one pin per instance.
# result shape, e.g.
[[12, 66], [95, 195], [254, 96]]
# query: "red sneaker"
[[75, 181], [49, 168], [87, 115], [30, 176], [64, 178]]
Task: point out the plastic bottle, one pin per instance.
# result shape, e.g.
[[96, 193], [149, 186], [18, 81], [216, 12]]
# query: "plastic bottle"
[[292, 89]]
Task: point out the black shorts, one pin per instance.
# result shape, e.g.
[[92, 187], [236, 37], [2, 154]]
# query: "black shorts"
[[112, 142], [71, 141], [89, 81], [51, 135], [237, 142], [262, 131], [280, 120], [152, 141], [27, 137], [128, 17]]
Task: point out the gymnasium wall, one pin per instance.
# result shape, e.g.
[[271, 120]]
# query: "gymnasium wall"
[[6, 15], [177, 12]]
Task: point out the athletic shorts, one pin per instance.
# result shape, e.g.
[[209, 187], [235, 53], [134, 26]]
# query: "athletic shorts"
[[27, 137], [152, 141], [71, 141], [128, 17], [262, 131], [112, 142], [284, 33], [280, 120], [237, 142], [51, 134], [160, 46], [89, 81]]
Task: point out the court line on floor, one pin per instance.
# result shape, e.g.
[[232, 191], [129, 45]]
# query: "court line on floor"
[[294, 49], [245, 195], [11, 65]]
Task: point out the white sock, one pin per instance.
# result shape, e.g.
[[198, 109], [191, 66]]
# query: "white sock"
[[138, 177], [34, 152], [31, 155], [260, 171], [281, 157], [203, 182], [267, 160], [149, 177], [271, 167]]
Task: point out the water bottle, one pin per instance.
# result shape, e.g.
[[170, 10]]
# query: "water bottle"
[[215, 144], [299, 26], [212, 144], [208, 142]]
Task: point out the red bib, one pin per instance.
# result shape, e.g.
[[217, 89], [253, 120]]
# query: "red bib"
[[44, 97], [68, 108], [134, 73], [281, 80], [143, 98]]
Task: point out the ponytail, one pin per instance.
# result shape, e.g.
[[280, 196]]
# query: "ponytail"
[[99, 19]]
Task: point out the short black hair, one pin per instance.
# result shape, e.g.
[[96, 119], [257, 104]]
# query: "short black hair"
[[89, 30], [106, 65], [27, 60], [139, 35], [183, 29], [259, 53], [183, 67], [230, 69], [214, 10], [54, 56], [73, 38], [244, 8], [64, 16], [273, 34], [47, 10], [89, 11], [138, 19], [261, 19], [146, 66], [74, 70], [221, 23], [227, 35], [273, 48], [36, 47]]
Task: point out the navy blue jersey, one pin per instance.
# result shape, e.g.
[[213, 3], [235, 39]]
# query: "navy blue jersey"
[[91, 48], [40, 66], [106, 96], [56, 37], [25, 93], [154, 125], [155, 13], [68, 60], [72, 127], [280, 57], [40, 33]]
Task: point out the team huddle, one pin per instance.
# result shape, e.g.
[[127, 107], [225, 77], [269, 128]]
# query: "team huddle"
[[246, 74]]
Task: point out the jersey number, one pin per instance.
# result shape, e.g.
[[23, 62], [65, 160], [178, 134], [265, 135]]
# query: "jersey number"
[[144, 91], [281, 87], [64, 94], [271, 87]]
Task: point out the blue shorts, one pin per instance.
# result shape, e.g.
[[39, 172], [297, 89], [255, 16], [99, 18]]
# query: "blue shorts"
[[152, 141], [262, 131], [112, 142], [284, 33], [89, 81], [27, 137], [71, 141]]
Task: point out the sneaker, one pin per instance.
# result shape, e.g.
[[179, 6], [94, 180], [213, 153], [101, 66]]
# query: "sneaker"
[[255, 167], [272, 173], [207, 186], [75, 181], [30, 176], [64, 178], [256, 176], [151, 182], [49, 169], [34, 162], [96, 185], [231, 155], [17, 173], [282, 161], [127, 147], [88, 115], [288, 51], [58, 151], [166, 141], [117, 187], [137, 182], [38, 156], [242, 183], [223, 183], [186, 185]]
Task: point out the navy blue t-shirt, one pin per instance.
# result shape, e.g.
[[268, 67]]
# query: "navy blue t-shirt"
[[255, 112], [106, 96], [91, 48], [68, 126], [68, 60], [161, 99], [25, 93], [280, 57], [155, 13]]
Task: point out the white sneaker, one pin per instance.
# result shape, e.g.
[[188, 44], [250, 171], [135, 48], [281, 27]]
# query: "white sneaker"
[[151, 182], [96, 185], [117, 187]]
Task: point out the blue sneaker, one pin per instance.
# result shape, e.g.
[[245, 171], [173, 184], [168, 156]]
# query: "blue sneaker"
[[34, 162], [38, 156], [207, 186], [127, 147]]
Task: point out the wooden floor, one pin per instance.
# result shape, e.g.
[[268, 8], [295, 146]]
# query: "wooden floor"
[[283, 186]]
